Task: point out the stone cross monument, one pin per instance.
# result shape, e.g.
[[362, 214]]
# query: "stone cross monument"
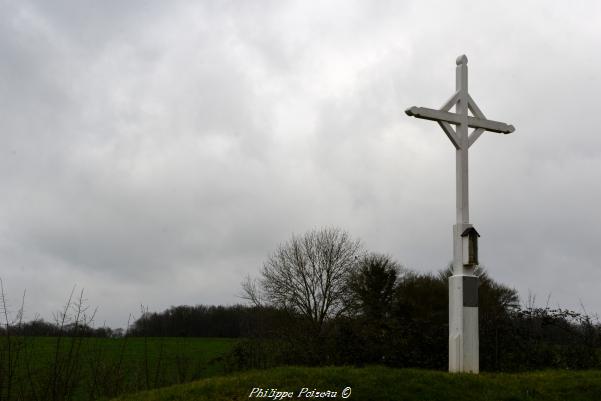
[[463, 284]]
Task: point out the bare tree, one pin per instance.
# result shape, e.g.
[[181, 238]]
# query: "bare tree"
[[307, 275], [251, 291]]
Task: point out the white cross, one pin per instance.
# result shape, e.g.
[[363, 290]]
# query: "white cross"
[[463, 297]]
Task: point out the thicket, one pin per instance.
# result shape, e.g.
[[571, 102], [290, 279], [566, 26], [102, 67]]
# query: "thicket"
[[399, 318], [386, 315]]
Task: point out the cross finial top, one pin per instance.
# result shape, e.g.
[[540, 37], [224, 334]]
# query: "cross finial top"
[[461, 59], [461, 119]]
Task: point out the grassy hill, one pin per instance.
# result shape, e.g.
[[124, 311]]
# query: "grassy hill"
[[380, 383]]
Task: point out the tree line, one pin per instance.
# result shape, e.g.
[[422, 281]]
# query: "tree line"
[[345, 305], [233, 321], [320, 298], [42, 328]]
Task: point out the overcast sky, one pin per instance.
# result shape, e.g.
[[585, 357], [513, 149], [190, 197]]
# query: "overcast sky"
[[154, 153]]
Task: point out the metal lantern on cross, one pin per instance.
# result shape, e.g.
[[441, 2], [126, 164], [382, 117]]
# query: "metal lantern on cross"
[[470, 246], [463, 284]]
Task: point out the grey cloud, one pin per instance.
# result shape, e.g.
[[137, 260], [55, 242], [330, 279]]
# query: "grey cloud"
[[157, 152]]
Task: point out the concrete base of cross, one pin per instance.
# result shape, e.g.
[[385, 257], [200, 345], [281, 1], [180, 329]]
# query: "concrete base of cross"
[[463, 324]]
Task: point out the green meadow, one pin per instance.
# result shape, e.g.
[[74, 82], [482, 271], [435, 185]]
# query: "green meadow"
[[46, 368], [195, 369]]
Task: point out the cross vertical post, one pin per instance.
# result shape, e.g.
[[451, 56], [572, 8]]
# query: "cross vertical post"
[[461, 155], [463, 284]]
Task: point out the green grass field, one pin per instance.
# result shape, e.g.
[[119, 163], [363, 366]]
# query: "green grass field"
[[194, 368], [387, 384], [98, 368]]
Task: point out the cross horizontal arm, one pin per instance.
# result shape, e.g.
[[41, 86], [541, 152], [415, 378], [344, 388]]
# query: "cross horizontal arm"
[[453, 118]]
